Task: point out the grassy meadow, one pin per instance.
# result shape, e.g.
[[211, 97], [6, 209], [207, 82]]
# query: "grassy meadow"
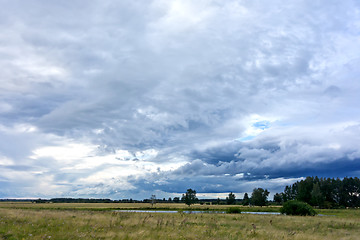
[[97, 221]]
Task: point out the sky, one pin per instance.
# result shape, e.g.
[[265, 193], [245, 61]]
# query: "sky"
[[125, 99]]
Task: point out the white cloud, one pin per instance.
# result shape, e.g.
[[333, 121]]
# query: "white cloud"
[[4, 161], [68, 152]]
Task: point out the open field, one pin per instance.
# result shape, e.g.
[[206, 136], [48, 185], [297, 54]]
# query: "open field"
[[93, 221], [114, 206]]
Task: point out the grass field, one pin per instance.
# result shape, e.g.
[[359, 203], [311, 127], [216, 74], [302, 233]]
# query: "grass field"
[[97, 221], [114, 206]]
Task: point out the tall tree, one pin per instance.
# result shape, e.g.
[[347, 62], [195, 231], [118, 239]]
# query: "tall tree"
[[189, 197], [230, 199], [278, 198], [326, 188], [290, 192], [246, 200], [304, 189], [317, 198], [259, 196]]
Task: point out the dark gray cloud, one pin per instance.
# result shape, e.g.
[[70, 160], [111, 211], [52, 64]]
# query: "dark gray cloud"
[[115, 98]]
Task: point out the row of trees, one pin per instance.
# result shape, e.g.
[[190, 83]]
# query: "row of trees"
[[258, 198], [323, 192], [320, 192]]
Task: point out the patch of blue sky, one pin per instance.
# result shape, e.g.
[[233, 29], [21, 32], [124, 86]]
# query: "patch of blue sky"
[[262, 125], [247, 138]]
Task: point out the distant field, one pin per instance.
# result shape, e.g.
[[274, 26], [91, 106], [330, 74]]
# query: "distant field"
[[109, 206], [97, 221]]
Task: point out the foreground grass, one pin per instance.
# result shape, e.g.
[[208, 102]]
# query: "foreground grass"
[[38, 223]]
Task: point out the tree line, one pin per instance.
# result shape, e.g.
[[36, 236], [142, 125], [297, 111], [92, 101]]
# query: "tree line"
[[320, 192], [258, 198], [323, 192]]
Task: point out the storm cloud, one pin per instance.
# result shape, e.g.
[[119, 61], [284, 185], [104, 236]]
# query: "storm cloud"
[[124, 99]]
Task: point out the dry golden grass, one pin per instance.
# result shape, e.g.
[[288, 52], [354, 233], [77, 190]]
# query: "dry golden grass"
[[38, 223]]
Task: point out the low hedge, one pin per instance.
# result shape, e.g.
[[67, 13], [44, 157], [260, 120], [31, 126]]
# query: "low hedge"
[[233, 210]]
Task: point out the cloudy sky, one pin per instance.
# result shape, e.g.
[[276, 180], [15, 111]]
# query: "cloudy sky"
[[124, 99]]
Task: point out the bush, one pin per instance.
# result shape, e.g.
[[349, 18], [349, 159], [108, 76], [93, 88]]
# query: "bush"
[[233, 210], [294, 207]]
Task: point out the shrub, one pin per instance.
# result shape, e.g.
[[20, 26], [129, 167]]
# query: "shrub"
[[233, 210], [294, 207]]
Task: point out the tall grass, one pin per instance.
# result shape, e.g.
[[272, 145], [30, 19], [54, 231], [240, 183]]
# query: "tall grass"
[[57, 223]]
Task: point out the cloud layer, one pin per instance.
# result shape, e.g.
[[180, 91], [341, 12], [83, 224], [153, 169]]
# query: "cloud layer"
[[125, 99]]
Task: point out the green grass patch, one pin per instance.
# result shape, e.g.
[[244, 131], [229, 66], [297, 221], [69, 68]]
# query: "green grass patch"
[[233, 210]]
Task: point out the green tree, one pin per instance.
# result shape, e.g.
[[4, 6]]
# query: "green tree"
[[290, 192], [327, 189], [231, 199], [189, 197], [317, 198], [246, 200], [278, 198], [304, 189], [259, 196]]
